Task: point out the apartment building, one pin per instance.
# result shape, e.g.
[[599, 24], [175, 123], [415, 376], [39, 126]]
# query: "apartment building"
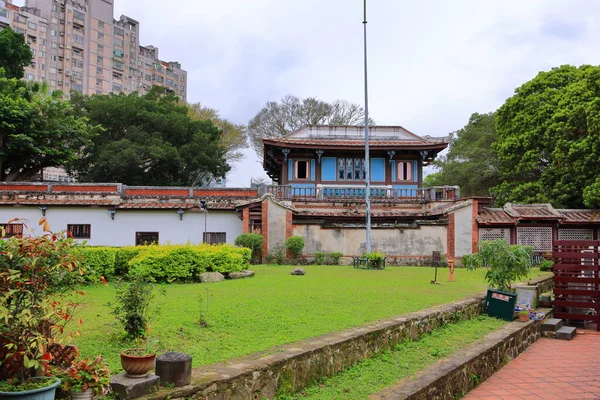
[[78, 45]]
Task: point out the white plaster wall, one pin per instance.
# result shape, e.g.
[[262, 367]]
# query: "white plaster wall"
[[393, 242], [121, 231], [463, 228], [277, 221]]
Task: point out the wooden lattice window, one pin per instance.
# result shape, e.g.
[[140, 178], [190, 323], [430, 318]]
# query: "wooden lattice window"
[[10, 230], [494, 233], [575, 234], [80, 231], [146, 238], [215, 237], [540, 238]]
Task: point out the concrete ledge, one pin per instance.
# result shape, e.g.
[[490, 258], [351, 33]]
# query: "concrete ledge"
[[453, 377], [292, 367]]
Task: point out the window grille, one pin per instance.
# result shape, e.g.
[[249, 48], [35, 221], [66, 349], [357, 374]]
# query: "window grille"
[[80, 231], [540, 238], [146, 238], [10, 230], [214, 237], [575, 234], [494, 233]]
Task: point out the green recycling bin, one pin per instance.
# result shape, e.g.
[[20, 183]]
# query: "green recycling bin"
[[500, 304]]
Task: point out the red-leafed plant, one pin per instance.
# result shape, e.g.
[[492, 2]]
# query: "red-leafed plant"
[[38, 276], [84, 374]]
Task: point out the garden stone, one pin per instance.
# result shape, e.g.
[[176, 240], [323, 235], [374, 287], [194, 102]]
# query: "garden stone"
[[209, 277], [131, 388], [241, 274], [298, 271]]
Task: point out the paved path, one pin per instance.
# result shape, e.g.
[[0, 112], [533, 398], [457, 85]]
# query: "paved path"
[[550, 369]]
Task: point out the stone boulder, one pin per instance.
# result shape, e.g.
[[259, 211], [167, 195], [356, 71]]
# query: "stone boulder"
[[298, 271], [209, 277], [241, 274]]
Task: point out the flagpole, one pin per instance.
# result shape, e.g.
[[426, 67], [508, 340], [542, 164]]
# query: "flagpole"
[[367, 159]]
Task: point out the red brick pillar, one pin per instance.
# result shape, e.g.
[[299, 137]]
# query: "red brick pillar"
[[265, 225], [450, 237], [289, 229], [246, 220], [475, 227]]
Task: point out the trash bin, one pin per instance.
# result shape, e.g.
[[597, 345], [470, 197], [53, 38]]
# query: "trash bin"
[[500, 304]]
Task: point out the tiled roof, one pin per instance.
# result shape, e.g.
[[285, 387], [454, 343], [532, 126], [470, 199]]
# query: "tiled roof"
[[58, 202], [532, 211], [580, 216], [352, 142], [495, 216]]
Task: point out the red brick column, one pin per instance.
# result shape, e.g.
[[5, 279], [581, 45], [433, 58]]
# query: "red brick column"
[[265, 225], [289, 229], [246, 220], [475, 227], [450, 237]]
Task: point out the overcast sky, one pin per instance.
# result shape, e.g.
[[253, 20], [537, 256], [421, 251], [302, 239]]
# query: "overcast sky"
[[431, 63]]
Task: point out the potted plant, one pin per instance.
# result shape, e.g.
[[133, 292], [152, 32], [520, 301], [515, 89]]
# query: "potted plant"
[[133, 309], [375, 259], [523, 315], [86, 379], [37, 388], [505, 265], [36, 273]]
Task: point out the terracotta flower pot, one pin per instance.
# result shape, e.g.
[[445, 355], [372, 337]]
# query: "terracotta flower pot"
[[137, 366], [523, 317]]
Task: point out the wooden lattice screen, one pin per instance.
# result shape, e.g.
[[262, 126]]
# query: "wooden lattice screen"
[[577, 280]]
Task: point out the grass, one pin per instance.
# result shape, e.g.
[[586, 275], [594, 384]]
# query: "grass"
[[274, 308], [384, 370]]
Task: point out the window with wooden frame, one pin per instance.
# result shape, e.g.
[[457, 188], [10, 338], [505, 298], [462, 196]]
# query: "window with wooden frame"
[[146, 238], [10, 230], [214, 237], [302, 169], [405, 171], [351, 169], [80, 231]]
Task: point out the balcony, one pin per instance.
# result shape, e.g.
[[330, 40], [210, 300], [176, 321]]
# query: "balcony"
[[379, 193]]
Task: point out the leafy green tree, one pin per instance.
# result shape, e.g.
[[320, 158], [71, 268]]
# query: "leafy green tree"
[[37, 130], [471, 162], [549, 140], [15, 54], [148, 140], [280, 118]]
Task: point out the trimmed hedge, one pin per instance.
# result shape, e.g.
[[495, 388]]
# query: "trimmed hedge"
[[174, 263]]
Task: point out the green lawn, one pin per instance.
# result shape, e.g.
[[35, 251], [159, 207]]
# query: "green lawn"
[[273, 308], [390, 367]]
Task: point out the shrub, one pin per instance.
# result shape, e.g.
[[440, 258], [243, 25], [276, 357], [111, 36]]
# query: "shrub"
[[132, 307], [186, 263], [546, 265], [36, 276], [319, 258], [336, 257], [295, 244], [277, 255], [506, 263], [98, 261], [323, 258], [122, 258], [252, 241]]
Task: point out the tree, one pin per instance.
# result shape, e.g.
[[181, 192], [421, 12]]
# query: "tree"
[[233, 137], [291, 113], [148, 140], [471, 162], [549, 140], [15, 54], [37, 130]]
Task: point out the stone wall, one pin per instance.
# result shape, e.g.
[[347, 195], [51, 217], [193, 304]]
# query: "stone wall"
[[295, 366], [454, 377]]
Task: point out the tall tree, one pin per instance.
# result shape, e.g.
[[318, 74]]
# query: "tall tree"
[[471, 162], [15, 54], [280, 118], [549, 140], [233, 137], [148, 140], [37, 130]]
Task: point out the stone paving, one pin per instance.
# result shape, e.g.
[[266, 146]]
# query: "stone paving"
[[550, 369]]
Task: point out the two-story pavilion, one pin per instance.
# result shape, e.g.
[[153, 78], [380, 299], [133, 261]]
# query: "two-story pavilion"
[[328, 160]]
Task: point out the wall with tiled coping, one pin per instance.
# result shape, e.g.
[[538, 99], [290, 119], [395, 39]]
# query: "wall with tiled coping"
[[295, 366]]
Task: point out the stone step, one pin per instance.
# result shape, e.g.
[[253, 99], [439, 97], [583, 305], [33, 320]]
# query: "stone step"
[[552, 325], [566, 333]]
